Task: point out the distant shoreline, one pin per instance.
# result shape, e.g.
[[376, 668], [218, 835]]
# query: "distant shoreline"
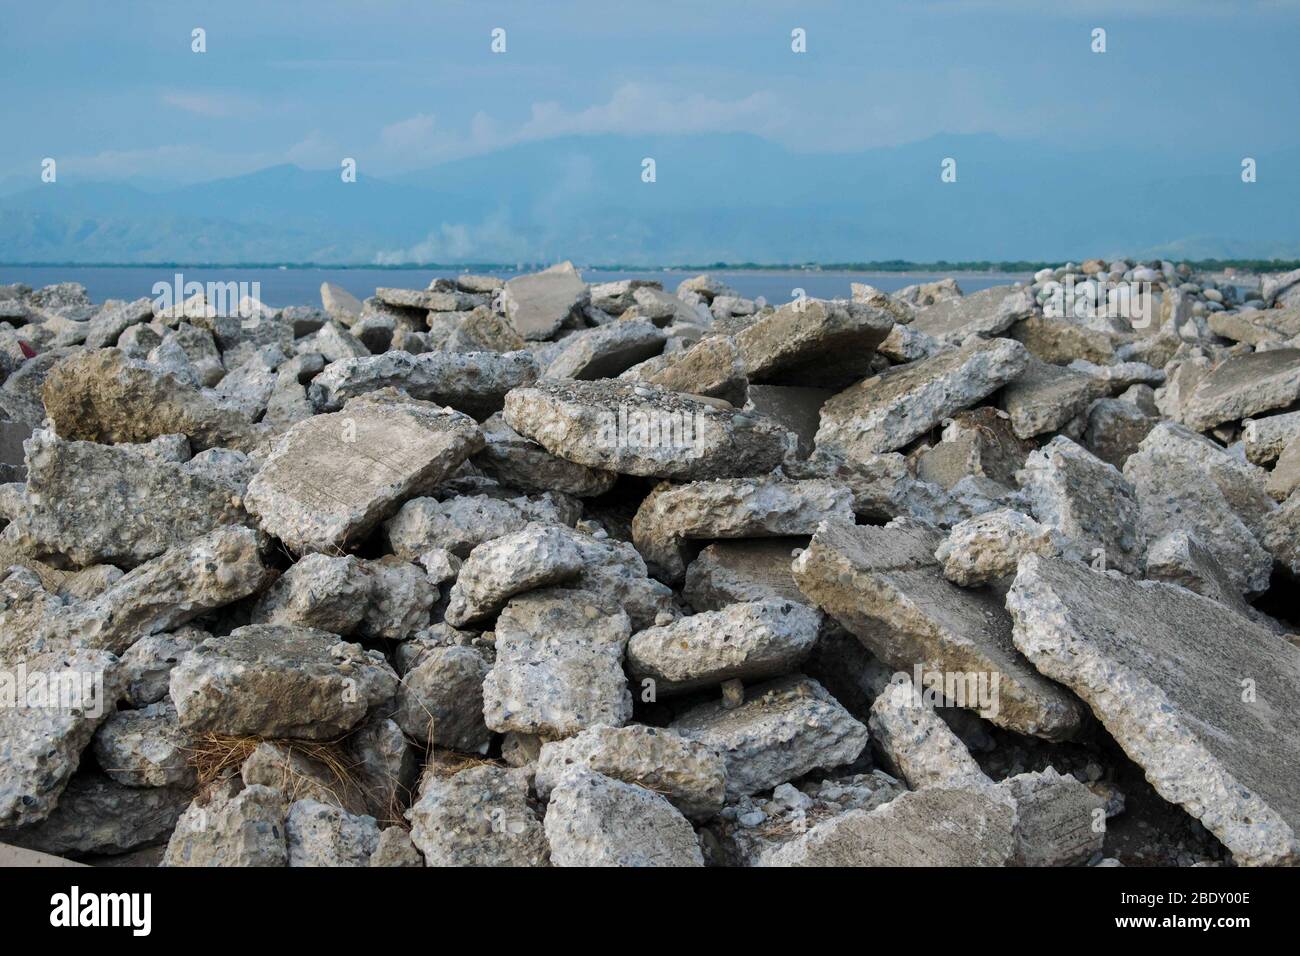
[[885, 267]]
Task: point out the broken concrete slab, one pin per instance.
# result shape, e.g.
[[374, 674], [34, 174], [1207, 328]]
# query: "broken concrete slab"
[[932, 827], [979, 442], [318, 834], [272, 680], [1043, 398], [987, 549], [605, 352], [1059, 821], [751, 641], [538, 304], [1179, 558], [595, 820], [1196, 696], [729, 572], [145, 748], [1284, 479], [478, 817], [396, 849], [400, 599], [147, 664], [473, 382], [1058, 341], [644, 430], [918, 746], [332, 478], [427, 300], [232, 825], [1169, 475], [91, 503], [97, 816], [1264, 438], [107, 326], [712, 367], [319, 591], [519, 462], [690, 775], [1243, 386], [440, 698], [559, 665], [102, 396], [172, 589], [796, 409], [819, 342], [57, 694], [988, 313], [462, 523], [887, 411], [514, 563], [1089, 502], [731, 508], [1115, 429], [784, 729], [885, 586], [341, 305]]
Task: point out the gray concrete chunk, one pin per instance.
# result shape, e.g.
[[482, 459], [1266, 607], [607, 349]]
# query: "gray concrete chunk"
[[1087, 501], [689, 774], [887, 411], [538, 304], [330, 479], [478, 817], [595, 820], [1242, 386], [988, 312], [885, 586], [272, 680], [559, 665], [826, 343], [1199, 698], [731, 508], [933, 827], [644, 430], [472, 382], [751, 641], [784, 729]]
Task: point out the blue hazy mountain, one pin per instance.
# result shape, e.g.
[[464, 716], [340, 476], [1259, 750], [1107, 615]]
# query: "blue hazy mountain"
[[732, 197]]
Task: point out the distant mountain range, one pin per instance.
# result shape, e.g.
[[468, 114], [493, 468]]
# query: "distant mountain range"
[[716, 198]]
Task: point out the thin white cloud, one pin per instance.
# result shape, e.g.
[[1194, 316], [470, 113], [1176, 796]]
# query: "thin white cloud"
[[633, 108], [641, 108], [215, 105]]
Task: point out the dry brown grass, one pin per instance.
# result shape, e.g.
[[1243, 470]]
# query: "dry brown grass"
[[330, 768]]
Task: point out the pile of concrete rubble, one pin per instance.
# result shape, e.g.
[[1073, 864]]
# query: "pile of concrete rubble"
[[537, 572]]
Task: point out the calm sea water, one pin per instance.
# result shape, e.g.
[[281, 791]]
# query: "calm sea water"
[[281, 287]]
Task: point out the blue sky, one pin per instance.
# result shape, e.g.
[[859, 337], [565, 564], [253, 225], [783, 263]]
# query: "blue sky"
[[113, 91]]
